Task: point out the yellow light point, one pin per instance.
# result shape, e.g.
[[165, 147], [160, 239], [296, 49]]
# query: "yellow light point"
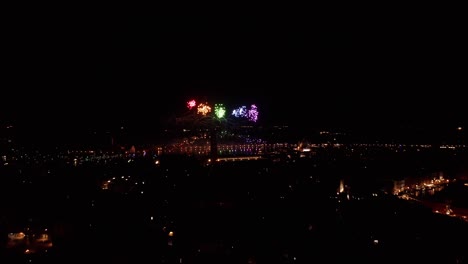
[[171, 234], [460, 128]]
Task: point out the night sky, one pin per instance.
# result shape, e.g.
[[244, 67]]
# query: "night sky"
[[340, 69]]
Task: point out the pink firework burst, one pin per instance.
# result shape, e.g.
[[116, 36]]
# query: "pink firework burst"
[[253, 113], [191, 104]]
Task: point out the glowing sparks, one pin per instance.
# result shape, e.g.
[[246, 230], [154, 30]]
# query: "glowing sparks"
[[191, 104], [220, 111], [203, 109], [251, 114], [240, 112]]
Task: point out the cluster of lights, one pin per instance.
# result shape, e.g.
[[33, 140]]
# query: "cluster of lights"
[[220, 111], [240, 112], [251, 114], [191, 104], [203, 109]]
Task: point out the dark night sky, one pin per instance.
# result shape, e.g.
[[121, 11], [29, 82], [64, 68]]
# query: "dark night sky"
[[339, 69]]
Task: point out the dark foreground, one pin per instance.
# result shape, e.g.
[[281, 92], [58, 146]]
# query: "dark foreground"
[[184, 211]]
